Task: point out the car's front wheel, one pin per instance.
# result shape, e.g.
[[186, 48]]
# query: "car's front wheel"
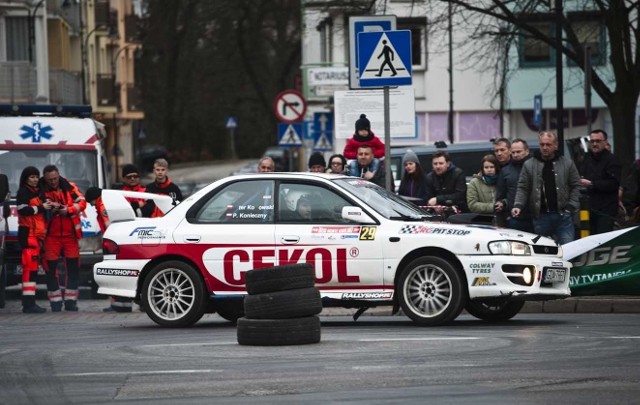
[[431, 291], [173, 294], [494, 311]]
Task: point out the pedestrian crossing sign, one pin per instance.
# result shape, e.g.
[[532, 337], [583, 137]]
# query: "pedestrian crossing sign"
[[384, 58], [290, 134]]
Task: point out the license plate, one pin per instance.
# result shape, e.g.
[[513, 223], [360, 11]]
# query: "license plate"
[[555, 275]]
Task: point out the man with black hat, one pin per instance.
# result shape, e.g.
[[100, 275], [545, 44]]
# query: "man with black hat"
[[317, 164], [131, 182]]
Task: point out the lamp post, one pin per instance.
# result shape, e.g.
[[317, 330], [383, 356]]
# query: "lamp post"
[[31, 21], [450, 116], [559, 86]]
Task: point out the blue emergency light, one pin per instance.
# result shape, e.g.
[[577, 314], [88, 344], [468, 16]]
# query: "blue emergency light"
[[79, 111]]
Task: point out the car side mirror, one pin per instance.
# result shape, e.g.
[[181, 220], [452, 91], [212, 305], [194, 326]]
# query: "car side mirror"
[[355, 214]]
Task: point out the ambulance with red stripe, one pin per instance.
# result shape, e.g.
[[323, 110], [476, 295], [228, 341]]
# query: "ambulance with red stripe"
[[65, 136], [368, 247]]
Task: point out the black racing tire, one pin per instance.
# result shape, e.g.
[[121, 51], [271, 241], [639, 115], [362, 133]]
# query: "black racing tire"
[[231, 309], [491, 311], [283, 304], [431, 291], [280, 278], [174, 294], [279, 332], [3, 286]]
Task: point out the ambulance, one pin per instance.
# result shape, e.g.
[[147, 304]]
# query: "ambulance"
[[65, 136]]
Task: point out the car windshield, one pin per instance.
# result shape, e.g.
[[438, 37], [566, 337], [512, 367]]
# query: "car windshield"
[[77, 166], [382, 201]]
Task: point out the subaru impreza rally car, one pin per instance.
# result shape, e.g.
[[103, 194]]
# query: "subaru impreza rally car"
[[368, 247]]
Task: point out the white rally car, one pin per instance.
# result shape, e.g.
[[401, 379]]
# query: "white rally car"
[[368, 247]]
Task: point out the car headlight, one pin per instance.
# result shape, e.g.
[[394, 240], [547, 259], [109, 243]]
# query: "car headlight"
[[508, 247]]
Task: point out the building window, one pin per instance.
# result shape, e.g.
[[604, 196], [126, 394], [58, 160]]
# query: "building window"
[[534, 52], [590, 31], [325, 29], [418, 28], [17, 34]]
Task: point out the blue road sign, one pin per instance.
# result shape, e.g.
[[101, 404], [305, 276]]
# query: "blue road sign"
[[322, 131], [290, 134], [364, 24], [232, 122], [537, 110], [384, 58]]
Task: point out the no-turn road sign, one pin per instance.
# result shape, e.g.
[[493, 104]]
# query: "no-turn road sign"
[[290, 106]]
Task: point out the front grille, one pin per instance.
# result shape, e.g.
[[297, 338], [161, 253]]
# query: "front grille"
[[545, 250]]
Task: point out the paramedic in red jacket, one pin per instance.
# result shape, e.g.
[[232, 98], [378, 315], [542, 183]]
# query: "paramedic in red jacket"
[[64, 230], [31, 233]]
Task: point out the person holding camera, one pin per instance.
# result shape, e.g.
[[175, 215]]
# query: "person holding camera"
[[63, 203]]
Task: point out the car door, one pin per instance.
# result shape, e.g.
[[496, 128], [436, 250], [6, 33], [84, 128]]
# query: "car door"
[[231, 231], [344, 253]]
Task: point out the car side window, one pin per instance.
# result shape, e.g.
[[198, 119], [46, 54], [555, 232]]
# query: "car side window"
[[246, 202], [304, 203]]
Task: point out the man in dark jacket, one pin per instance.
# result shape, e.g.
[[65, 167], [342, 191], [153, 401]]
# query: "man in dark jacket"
[[549, 185], [601, 173], [446, 184], [507, 186]]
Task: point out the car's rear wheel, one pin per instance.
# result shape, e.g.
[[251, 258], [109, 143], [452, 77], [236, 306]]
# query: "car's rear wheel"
[[431, 291], [494, 311], [173, 294]]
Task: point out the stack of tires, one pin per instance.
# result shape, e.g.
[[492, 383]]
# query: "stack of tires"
[[281, 308]]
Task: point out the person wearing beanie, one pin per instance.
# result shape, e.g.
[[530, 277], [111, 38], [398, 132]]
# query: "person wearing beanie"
[[414, 181], [131, 182], [363, 136], [317, 164], [31, 233], [481, 191]]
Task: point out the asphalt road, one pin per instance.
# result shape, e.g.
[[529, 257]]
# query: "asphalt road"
[[91, 357]]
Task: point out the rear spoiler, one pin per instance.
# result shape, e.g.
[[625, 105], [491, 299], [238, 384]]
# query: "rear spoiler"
[[120, 210]]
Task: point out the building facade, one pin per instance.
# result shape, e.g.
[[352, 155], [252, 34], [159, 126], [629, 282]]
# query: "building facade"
[[493, 85]]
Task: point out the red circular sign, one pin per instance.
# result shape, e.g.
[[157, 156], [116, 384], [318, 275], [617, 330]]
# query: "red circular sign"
[[290, 106]]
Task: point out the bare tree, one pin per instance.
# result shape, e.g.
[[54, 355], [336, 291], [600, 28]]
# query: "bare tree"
[[619, 17]]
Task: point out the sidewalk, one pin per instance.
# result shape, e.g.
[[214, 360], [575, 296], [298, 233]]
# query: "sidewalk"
[[602, 304]]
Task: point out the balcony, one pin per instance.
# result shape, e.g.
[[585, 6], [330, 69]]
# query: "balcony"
[[18, 83], [65, 87]]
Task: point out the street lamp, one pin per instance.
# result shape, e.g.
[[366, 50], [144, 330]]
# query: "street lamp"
[[559, 86], [31, 21]]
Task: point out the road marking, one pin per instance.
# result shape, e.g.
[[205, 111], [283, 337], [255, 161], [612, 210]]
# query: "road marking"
[[417, 338], [107, 373], [235, 342], [623, 337]]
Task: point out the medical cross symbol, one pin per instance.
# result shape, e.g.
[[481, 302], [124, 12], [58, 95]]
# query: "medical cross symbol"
[[36, 132]]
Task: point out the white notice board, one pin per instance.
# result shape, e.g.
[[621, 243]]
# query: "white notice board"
[[350, 104]]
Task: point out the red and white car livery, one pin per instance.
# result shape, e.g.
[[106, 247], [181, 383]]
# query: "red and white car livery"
[[369, 248]]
